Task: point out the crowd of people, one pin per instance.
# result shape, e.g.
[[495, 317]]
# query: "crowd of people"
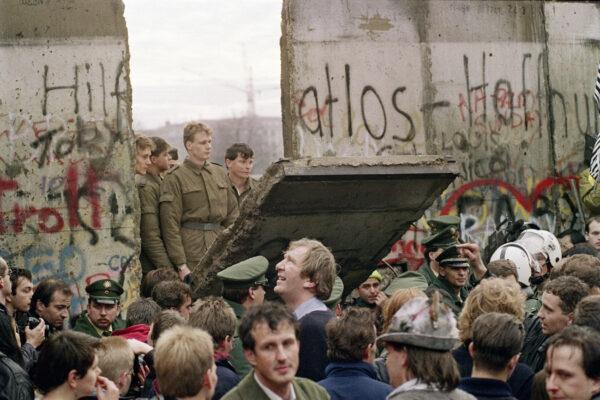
[[523, 325]]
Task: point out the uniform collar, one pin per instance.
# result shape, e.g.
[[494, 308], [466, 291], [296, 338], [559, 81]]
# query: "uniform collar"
[[197, 169]]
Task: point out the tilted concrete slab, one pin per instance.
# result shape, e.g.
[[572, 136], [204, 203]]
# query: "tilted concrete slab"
[[357, 206]]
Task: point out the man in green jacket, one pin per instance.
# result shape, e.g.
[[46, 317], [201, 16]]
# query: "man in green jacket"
[[269, 335], [102, 315], [444, 233]]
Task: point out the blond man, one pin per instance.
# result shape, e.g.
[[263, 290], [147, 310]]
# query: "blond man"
[[115, 359], [305, 278], [184, 364], [143, 149]]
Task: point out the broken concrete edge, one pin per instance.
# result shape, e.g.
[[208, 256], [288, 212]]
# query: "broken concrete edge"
[[287, 71], [229, 244]]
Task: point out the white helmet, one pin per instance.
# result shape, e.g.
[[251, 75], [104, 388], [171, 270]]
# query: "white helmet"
[[519, 255], [542, 245]]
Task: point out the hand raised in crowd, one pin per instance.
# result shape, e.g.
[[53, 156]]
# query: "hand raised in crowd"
[[183, 271], [139, 347], [106, 389], [381, 298], [36, 336], [472, 252]]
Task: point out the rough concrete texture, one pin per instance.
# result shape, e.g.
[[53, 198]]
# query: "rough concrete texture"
[[358, 208], [66, 177], [502, 86]]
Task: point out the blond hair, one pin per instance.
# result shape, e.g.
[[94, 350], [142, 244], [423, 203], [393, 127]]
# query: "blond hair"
[[182, 357], [194, 128], [394, 303], [318, 266], [142, 143], [491, 295], [114, 357], [215, 316]]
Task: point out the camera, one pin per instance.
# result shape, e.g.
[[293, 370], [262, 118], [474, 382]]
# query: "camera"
[[33, 322]]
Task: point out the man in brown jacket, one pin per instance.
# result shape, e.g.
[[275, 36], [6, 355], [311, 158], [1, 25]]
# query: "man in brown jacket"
[[196, 201], [153, 254]]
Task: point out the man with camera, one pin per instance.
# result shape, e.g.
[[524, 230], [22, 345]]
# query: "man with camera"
[[102, 315]]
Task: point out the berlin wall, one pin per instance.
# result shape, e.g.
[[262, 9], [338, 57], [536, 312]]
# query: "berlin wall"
[[68, 199], [505, 87]]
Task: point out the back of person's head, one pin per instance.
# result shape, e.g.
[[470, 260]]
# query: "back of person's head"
[[351, 336], [15, 275], [46, 289], [142, 311], [581, 248], [60, 354], [574, 235], [587, 312], [171, 294], [569, 289], [216, 317], [154, 277], [398, 299], [318, 266], [586, 340], [164, 320], [497, 338], [503, 269], [115, 359], [491, 295], [270, 313], [584, 267], [182, 358]]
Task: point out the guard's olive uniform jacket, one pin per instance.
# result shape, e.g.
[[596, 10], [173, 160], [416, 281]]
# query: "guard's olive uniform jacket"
[[427, 272], [304, 389], [196, 203], [84, 325], [153, 254], [449, 296], [252, 183], [236, 356]]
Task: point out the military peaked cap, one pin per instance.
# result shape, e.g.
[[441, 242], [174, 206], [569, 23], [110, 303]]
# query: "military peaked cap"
[[245, 274], [105, 291]]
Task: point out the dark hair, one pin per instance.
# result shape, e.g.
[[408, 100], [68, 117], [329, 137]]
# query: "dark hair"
[[581, 248], [15, 274], [503, 268], [61, 353], [585, 339], [270, 313], [236, 149], [593, 218], [497, 337], [236, 294], [174, 154], [575, 236], [349, 335], [46, 289], [569, 289], [171, 294], [584, 267], [165, 320], [8, 340], [160, 145], [587, 312], [154, 277], [142, 311]]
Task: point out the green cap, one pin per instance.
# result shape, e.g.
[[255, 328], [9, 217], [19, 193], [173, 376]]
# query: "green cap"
[[442, 239], [105, 291], [406, 280], [336, 293], [452, 258], [442, 222], [245, 274]]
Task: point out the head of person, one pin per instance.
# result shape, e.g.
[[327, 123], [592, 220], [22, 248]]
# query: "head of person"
[[197, 139], [559, 299], [504, 269], [244, 282], [491, 295], [581, 248], [173, 295], [115, 360], [217, 318], [143, 149], [496, 344], [351, 337], [369, 289], [307, 270], [444, 233], [5, 281], [569, 238], [587, 312], [22, 289], [104, 303], [573, 364], [419, 341], [67, 361], [394, 303], [142, 311], [584, 267], [239, 159], [160, 157], [592, 231], [154, 277], [51, 301], [184, 363], [174, 154], [269, 334], [453, 267], [164, 321]]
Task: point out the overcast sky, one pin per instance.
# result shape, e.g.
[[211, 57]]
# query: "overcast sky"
[[187, 58]]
